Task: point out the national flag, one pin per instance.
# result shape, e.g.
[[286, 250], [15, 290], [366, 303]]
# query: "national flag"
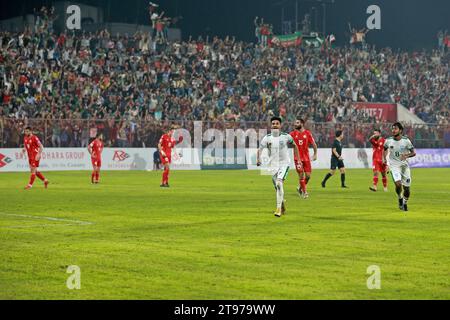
[[289, 40]]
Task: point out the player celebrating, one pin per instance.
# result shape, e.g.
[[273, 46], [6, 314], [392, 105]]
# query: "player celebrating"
[[378, 142], [95, 150], [278, 145], [34, 148], [303, 139], [336, 160], [397, 150], [166, 144]]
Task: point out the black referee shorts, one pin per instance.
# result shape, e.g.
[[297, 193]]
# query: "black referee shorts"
[[336, 163]]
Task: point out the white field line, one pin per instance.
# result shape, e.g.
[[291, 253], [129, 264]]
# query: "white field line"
[[70, 222]]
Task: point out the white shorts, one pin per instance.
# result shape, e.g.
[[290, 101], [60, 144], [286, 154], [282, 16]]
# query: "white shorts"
[[402, 174], [281, 173]]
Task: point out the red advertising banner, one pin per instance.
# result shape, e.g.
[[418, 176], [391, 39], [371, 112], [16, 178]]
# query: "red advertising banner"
[[382, 111]]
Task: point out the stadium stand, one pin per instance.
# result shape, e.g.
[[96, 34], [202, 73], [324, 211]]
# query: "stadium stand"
[[69, 86]]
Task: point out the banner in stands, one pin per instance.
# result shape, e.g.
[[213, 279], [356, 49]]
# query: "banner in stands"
[[289, 40], [386, 112], [117, 159], [431, 158], [298, 39]]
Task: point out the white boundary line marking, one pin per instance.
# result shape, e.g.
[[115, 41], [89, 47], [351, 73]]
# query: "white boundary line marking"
[[72, 222]]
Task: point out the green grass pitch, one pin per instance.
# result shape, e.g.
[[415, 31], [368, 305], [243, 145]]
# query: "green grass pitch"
[[213, 236]]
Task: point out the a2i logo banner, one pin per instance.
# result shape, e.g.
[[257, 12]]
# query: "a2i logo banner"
[[120, 156], [4, 160]]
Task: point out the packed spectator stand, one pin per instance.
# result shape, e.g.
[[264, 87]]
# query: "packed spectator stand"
[[71, 85]]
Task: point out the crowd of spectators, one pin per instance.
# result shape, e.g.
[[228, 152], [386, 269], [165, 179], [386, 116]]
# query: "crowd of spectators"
[[73, 82]]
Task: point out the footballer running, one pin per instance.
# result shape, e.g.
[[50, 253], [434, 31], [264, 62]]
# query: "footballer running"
[[397, 150], [278, 144]]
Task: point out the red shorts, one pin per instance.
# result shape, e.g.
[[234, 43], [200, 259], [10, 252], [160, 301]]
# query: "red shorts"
[[379, 166], [164, 162], [96, 162], [33, 163], [306, 167]]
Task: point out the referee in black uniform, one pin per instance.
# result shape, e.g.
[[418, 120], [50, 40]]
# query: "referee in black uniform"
[[337, 162]]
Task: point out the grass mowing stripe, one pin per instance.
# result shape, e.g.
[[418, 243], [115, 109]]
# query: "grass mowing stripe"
[[82, 223]]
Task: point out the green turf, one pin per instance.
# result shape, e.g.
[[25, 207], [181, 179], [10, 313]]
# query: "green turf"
[[213, 236]]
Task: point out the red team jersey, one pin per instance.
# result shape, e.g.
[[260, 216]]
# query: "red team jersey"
[[96, 156], [303, 140], [167, 144], [378, 149], [32, 145]]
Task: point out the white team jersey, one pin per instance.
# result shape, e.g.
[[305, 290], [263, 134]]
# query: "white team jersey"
[[278, 149], [397, 149]]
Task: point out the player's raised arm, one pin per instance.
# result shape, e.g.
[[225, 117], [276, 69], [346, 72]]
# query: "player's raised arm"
[[179, 141]]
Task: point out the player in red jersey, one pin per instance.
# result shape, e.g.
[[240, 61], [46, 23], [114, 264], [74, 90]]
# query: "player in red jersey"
[[378, 142], [303, 139], [166, 144], [95, 150], [34, 148]]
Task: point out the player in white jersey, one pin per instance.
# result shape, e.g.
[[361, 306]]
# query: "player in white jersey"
[[277, 144], [397, 150]]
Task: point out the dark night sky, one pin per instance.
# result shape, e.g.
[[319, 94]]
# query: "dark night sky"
[[409, 24]]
